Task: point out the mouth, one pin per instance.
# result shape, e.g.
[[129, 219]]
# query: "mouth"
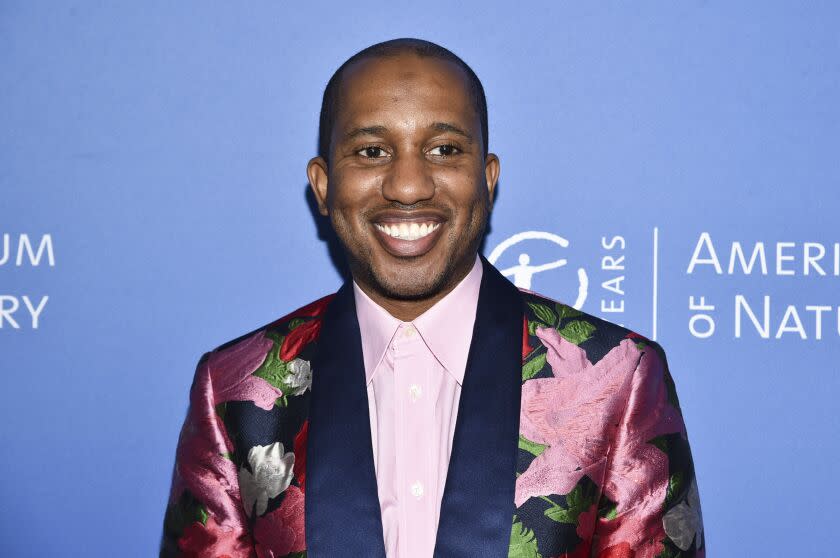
[[408, 236]]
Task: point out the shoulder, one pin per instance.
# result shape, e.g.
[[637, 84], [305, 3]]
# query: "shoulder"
[[267, 363], [560, 341], [570, 334], [592, 333], [310, 313]]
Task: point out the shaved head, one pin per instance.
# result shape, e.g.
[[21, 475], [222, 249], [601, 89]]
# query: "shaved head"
[[331, 102]]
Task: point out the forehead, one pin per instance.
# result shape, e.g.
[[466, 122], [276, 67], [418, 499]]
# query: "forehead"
[[406, 88]]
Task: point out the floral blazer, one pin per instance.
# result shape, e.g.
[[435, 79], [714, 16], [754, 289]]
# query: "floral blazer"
[[569, 442]]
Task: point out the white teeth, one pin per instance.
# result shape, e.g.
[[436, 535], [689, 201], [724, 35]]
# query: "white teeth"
[[406, 231]]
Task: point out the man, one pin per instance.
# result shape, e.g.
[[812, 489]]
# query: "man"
[[429, 407]]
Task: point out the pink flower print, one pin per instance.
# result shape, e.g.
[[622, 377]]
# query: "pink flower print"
[[281, 531], [212, 541], [632, 530], [231, 369], [588, 412], [211, 478]]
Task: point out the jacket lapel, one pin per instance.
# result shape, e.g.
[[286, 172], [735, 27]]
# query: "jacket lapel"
[[478, 500], [342, 514]]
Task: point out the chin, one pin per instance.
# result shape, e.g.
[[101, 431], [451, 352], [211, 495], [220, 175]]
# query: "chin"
[[411, 289], [409, 282]]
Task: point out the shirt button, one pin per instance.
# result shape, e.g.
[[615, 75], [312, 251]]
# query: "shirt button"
[[409, 331], [417, 489], [415, 392]]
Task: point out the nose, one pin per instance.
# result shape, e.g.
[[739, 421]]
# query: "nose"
[[409, 180]]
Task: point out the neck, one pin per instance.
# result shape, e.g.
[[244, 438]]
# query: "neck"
[[407, 310]]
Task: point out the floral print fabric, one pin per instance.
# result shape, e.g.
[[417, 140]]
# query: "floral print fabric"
[[604, 467], [231, 495]]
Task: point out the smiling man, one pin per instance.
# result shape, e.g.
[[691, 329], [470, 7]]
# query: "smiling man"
[[404, 172], [429, 407]]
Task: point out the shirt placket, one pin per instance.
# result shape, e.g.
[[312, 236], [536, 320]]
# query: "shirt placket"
[[414, 420]]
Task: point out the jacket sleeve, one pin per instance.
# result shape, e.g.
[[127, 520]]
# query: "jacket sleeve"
[[650, 507], [204, 515]]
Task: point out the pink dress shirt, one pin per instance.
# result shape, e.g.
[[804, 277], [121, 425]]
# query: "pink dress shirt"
[[414, 371]]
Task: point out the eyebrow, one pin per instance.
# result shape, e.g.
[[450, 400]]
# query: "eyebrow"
[[381, 130], [365, 131], [448, 127]]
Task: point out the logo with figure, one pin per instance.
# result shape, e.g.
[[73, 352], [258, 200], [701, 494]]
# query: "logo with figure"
[[523, 273]]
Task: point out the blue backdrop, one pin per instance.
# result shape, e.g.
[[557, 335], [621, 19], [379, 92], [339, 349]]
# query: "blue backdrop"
[[153, 205]]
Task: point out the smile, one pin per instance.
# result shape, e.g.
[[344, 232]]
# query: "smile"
[[405, 236], [408, 231]]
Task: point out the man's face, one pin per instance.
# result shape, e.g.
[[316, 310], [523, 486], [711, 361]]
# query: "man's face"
[[408, 189]]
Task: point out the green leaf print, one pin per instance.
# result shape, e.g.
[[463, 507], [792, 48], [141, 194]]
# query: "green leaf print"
[[544, 313], [561, 515], [582, 497], [533, 367], [610, 513], [523, 542], [183, 513], [577, 331], [274, 336], [533, 448], [607, 509], [579, 500], [273, 370], [532, 327], [669, 551], [660, 442], [675, 487], [564, 311]]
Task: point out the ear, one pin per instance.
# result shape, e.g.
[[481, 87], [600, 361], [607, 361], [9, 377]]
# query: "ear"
[[316, 171], [491, 174]]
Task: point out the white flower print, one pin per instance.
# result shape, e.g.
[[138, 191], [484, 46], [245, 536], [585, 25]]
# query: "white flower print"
[[684, 521], [300, 376], [272, 473]]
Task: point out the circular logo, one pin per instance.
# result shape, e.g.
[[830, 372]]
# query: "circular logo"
[[523, 272]]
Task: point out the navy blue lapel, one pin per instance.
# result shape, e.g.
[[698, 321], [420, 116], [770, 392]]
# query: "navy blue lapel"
[[477, 509], [342, 515], [342, 504]]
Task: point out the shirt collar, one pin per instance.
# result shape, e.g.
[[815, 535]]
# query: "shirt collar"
[[446, 327]]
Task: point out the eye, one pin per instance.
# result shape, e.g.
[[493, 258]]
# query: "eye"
[[372, 152], [445, 150]]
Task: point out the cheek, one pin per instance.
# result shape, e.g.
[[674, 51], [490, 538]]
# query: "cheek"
[[354, 191], [463, 182], [468, 198]]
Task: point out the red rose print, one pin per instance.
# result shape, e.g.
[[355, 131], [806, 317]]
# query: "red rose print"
[[300, 455], [281, 531], [299, 338], [526, 348], [211, 541]]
